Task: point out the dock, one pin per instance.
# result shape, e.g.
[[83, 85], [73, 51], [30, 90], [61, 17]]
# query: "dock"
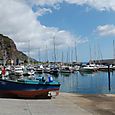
[[64, 104]]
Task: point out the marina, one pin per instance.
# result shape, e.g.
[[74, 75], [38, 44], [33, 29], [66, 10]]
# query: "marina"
[[89, 80], [81, 92], [85, 83], [57, 57]]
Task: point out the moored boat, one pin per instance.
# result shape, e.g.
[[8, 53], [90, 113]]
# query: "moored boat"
[[66, 69], [104, 68], [39, 69], [88, 68], [29, 88], [18, 71], [54, 70]]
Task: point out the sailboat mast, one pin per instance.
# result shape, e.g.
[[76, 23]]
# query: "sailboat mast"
[[71, 55], [46, 54], [76, 52], [54, 49], [90, 52], [99, 53], [39, 57], [68, 55], [113, 49], [29, 52], [62, 56]]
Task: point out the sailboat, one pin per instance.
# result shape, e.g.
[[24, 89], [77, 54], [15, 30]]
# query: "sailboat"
[[29, 70], [90, 67], [54, 68]]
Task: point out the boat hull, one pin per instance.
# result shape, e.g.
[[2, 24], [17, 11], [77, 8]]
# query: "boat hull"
[[27, 90], [28, 94]]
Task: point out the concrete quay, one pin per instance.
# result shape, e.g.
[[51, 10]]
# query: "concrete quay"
[[64, 104]]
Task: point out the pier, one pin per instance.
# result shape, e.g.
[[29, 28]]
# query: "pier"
[[105, 61]]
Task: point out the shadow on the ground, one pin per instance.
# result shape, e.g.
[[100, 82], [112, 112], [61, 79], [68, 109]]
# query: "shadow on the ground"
[[17, 97]]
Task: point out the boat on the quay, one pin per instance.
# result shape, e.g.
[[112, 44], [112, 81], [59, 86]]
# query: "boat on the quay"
[[26, 88]]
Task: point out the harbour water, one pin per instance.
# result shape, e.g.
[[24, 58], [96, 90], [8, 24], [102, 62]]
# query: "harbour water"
[[82, 83]]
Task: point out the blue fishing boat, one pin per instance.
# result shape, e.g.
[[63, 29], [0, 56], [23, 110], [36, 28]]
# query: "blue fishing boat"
[[29, 88]]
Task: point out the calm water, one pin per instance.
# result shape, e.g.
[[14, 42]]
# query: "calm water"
[[96, 83]]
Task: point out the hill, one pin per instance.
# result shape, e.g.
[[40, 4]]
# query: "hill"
[[8, 51]]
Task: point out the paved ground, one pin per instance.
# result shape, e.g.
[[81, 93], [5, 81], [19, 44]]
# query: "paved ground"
[[64, 104]]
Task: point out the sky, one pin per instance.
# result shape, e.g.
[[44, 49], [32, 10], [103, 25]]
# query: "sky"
[[70, 29]]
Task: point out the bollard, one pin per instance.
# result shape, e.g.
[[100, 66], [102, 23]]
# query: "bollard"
[[109, 81]]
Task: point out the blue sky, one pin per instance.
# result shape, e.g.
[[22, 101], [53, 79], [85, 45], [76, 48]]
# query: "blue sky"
[[82, 21], [88, 23]]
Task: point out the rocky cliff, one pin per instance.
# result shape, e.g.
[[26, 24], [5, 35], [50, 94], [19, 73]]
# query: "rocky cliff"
[[8, 50]]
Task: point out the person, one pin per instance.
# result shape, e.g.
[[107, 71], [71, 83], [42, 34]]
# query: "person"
[[3, 72]]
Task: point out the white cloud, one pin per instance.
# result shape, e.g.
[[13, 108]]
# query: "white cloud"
[[43, 11], [98, 4], [44, 2], [106, 30], [18, 21]]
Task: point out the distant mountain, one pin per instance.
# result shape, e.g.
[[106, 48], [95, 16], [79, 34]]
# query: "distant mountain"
[[8, 51]]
